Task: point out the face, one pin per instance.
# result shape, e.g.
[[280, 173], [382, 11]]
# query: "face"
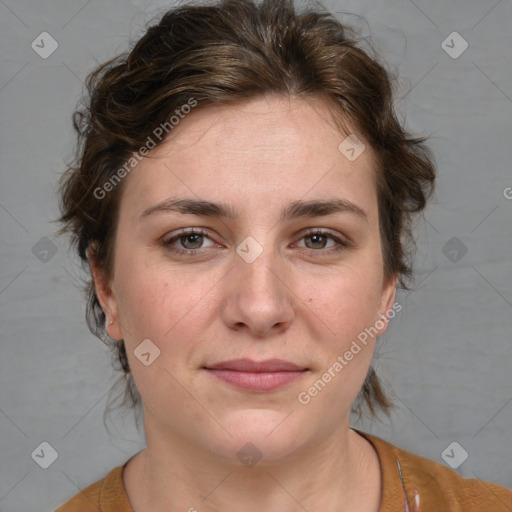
[[283, 261]]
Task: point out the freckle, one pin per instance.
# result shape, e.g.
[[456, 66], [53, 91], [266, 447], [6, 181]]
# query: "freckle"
[[310, 300]]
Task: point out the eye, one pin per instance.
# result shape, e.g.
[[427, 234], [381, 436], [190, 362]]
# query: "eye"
[[190, 242], [317, 240], [191, 239]]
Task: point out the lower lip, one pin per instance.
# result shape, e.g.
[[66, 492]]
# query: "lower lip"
[[257, 381]]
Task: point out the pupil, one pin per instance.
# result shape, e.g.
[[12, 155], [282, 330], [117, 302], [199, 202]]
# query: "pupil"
[[193, 238], [316, 238]]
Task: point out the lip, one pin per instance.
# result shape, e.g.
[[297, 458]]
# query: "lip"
[[256, 375], [248, 365]]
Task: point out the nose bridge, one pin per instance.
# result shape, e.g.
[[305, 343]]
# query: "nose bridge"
[[259, 267], [258, 295]]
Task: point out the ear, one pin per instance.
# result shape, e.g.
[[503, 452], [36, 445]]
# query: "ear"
[[387, 300], [106, 297]]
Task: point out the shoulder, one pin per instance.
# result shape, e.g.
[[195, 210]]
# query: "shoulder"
[[438, 487], [105, 495]]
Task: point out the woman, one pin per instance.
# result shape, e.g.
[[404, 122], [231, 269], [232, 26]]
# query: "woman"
[[243, 196]]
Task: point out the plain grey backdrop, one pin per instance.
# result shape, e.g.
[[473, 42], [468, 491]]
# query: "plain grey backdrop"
[[447, 355]]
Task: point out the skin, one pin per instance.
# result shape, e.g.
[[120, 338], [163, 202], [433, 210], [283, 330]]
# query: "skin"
[[299, 300]]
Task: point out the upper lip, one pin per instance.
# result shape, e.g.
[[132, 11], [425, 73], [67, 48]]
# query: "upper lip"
[[248, 365]]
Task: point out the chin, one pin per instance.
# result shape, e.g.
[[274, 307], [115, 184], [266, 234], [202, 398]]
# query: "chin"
[[267, 435]]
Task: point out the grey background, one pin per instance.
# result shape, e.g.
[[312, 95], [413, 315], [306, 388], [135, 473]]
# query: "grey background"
[[447, 355]]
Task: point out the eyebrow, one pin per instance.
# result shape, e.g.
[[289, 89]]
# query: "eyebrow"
[[296, 209]]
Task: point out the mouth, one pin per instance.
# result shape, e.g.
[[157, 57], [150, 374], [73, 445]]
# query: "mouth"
[[256, 376]]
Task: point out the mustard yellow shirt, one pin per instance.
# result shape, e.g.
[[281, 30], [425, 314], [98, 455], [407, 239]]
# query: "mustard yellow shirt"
[[404, 474]]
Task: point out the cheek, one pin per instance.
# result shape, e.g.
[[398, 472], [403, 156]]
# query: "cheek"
[[348, 302], [146, 295], [167, 306], [154, 307], [348, 309]]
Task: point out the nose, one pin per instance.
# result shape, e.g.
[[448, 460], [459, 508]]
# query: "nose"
[[258, 297]]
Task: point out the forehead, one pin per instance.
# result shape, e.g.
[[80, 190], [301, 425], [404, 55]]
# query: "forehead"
[[281, 124], [269, 145]]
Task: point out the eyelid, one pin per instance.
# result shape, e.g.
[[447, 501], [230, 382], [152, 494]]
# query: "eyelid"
[[323, 231], [337, 237], [174, 235]]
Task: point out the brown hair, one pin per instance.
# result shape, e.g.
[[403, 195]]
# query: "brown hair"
[[230, 52]]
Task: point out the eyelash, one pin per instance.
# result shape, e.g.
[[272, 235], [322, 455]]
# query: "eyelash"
[[341, 244]]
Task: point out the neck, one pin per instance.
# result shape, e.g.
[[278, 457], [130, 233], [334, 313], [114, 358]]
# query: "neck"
[[341, 473]]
